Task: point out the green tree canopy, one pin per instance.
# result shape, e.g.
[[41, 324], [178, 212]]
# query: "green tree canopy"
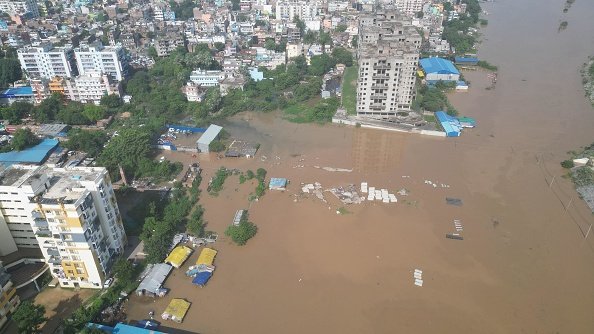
[[87, 141], [341, 28], [29, 317], [10, 71], [111, 101], [24, 138], [128, 149], [342, 56]]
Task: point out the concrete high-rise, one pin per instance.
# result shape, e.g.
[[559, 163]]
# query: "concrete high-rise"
[[409, 7], [71, 214], [111, 60], [46, 62], [20, 7], [388, 55]]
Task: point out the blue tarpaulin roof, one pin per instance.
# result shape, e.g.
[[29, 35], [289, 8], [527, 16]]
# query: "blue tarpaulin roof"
[[450, 124], [33, 155], [202, 278], [438, 65], [186, 128]]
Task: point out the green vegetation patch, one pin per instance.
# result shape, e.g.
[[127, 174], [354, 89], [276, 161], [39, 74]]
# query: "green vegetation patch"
[[243, 232], [349, 90], [218, 180]]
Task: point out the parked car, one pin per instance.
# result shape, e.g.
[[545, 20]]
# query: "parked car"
[[108, 283]]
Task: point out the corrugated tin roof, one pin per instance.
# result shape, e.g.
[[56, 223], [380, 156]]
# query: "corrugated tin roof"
[[438, 65], [466, 60], [33, 155], [155, 278], [450, 124], [210, 134]]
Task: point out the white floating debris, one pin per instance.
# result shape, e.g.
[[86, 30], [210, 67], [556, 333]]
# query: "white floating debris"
[[393, 198], [418, 276], [418, 282], [419, 271], [372, 189], [364, 187], [386, 200]]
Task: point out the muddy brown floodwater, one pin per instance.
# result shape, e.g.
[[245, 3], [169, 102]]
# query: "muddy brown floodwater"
[[523, 266]]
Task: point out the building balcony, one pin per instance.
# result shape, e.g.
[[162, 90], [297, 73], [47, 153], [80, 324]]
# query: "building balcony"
[[382, 67], [380, 76], [53, 252], [43, 233], [377, 107], [55, 260], [39, 222], [379, 86], [380, 97]]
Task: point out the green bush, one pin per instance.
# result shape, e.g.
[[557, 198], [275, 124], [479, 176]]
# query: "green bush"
[[241, 233], [567, 164], [218, 180]]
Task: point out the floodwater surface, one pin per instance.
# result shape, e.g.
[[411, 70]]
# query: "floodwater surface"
[[523, 266]]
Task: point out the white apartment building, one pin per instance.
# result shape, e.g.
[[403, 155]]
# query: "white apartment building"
[[74, 216], [92, 87], [19, 7], [409, 7], [46, 62], [97, 58], [304, 10], [207, 78], [194, 92], [388, 55]]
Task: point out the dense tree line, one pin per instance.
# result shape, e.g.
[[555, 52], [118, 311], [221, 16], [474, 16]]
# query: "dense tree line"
[[456, 32], [54, 108], [131, 149]]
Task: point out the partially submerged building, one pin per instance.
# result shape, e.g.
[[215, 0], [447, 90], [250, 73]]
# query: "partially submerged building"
[[212, 133], [439, 69], [388, 54]]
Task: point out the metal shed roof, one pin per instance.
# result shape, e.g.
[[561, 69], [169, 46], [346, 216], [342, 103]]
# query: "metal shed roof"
[[438, 65], [33, 155], [210, 134], [155, 278]]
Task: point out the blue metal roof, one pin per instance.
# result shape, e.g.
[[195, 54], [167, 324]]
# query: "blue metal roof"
[[18, 91], [185, 128], [438, 65], [33, 155], [470, 60], [122, 328], [451, 125]]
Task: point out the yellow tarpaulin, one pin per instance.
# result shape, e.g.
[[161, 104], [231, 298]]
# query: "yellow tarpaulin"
[[176, 310], [420, 74], [178, 256], [206, 256]]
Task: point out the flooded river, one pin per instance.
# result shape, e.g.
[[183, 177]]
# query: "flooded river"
[[523, 266]]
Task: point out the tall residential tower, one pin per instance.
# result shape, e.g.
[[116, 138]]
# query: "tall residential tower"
[[388, 54], [71, 213]]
